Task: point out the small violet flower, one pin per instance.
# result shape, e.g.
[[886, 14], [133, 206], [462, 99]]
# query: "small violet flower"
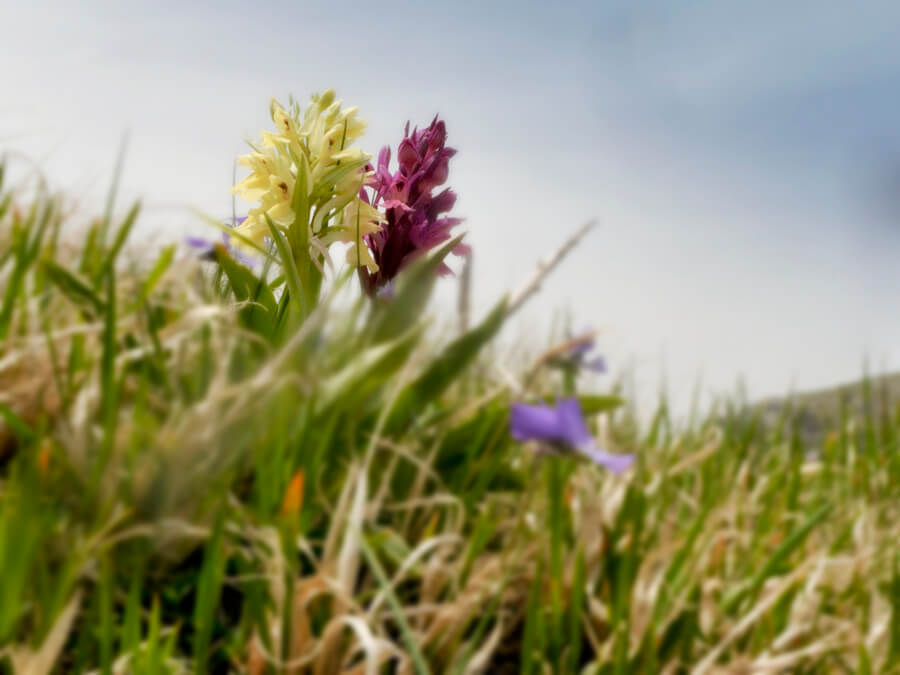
[[414, 215], [574, 355], [206, 247], [563, 428]]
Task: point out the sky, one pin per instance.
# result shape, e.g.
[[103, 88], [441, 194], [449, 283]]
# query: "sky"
[[742, 160]]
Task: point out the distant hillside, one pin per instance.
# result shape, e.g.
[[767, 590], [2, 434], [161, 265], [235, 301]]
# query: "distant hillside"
[[817, 411]]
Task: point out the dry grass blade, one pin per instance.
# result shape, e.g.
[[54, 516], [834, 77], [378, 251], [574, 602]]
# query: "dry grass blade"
[[533, 285], [41, 662], [771, 596]]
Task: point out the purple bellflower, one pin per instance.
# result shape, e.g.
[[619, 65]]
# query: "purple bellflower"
[[563, 428], [416, 219]]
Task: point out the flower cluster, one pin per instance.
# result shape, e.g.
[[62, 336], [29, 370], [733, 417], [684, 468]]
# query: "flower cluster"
[[415, 219], [308, 179], [307, 175]]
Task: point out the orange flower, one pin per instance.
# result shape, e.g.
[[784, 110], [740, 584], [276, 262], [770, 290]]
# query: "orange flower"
[[293, 496]]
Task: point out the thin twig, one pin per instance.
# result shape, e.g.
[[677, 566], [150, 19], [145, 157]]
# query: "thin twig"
[[533, 285]]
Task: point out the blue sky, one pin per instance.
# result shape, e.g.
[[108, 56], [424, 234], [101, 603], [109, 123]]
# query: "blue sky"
[[743, 159]]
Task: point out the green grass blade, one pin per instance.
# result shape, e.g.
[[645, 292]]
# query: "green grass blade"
[[409, 639], [75, 289], [209, 587]]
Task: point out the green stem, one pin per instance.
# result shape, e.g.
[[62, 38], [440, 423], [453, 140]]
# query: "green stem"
[[557, 475]]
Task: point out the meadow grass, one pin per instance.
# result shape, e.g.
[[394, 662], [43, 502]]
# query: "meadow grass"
[[195, 478]]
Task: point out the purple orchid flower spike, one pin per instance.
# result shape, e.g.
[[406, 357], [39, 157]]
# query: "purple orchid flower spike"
[[416, 219], [563, 427]]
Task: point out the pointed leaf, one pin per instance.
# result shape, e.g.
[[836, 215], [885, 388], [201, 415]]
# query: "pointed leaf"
[[413, 289]]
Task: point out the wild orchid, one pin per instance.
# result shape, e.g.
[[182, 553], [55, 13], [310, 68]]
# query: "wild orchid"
[[414, 217], [306, 178]]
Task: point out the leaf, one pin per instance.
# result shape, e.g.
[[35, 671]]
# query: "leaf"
[[235, 233], [19, 427], [592, 404], [119, 241], [299, 229], [109, 392], [447, 366], [412, 291], [41, 662], [74, 288], [327, 181], [778, 558], [418, 659], [893, 588], [131, 622], [289, 267], [105, 594], [576, 608], [159, 268], [247, 287], [5, 202], [26, 251], [366, 371], [208, 590]]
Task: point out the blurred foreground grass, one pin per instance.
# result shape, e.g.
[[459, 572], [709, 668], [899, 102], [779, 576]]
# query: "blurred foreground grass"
[[185, 488]]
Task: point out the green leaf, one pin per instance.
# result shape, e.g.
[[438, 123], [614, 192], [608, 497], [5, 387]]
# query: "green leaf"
[[533, 640], [19, 427], [209, 588], [893, 588], [289, 268], [412, 291], [5, 202], [778, 558], [247, 287], [109, 395], [298, 232], [159, 268], [25, 251], [448, 365], [366, 371], [418, 660], [328, 180], [74, 288], [576, 608], [235, 233], [113, 190], [153, 652], [131, 623], [593, 404], [119, 241], [106, 611]]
